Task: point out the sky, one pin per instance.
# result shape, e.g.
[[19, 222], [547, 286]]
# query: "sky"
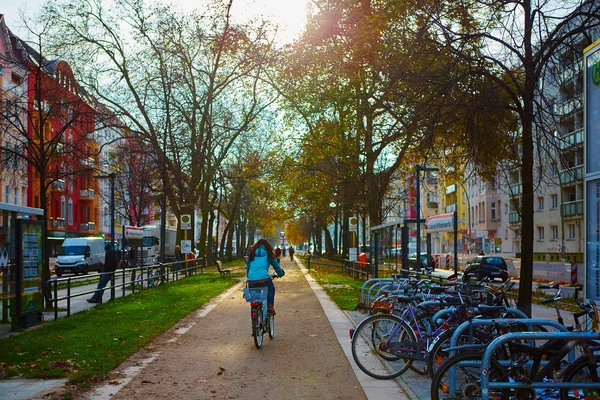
[[288, 14]]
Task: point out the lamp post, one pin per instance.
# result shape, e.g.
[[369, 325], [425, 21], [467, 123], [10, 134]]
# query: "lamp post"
[[419, 168], [111, 176]]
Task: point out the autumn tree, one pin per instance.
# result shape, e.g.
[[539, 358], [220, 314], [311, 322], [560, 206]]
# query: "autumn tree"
[[188, 85], [519, 37]]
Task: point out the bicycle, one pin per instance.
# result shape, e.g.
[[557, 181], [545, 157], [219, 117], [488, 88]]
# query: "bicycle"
[[262, 322], [460, 375], [152, 277]]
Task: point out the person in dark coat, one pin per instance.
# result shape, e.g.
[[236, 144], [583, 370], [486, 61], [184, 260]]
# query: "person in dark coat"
[[291, 250], [111, 262]]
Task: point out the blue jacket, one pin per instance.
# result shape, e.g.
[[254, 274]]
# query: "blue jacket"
[[259, 268]]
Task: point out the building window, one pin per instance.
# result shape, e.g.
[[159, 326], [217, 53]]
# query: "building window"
[[16, 196], [63, 207], [540, 230], [493, 211], [6, 194], [70, 211], [554, 229], [554, 199], [1, 69], [571, 231], [540, 203]]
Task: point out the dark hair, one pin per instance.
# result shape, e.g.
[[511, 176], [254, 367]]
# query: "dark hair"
[[268, 247]]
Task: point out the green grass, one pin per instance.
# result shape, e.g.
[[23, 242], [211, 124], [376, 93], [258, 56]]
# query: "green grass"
[[89, 344], [343, 290]]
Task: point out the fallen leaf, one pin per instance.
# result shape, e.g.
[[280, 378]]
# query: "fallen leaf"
[[114, 382]]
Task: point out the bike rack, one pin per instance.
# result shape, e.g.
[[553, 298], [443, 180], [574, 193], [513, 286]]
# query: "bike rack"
[[487, 356], [468, 324]]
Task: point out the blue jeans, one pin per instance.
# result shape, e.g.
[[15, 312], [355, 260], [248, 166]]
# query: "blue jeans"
[[105, 277], [269, 284]]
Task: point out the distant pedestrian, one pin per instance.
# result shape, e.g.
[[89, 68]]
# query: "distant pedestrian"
[[111, 262], [291, 250], [278, 254], [482, 253]]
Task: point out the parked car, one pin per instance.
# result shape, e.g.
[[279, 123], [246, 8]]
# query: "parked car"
[[426, 262], [80, 255], [487, 266]]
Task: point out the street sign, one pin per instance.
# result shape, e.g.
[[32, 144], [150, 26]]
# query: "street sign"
[[186, 246], [186, 222], [353, 221], [134, 232]]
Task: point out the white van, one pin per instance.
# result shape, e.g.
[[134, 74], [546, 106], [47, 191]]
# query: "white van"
[[80, 255]]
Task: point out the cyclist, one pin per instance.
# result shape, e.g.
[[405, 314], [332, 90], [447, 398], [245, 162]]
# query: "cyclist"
[[260, 257]]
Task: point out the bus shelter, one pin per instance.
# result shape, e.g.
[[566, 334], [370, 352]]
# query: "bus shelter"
[[21, 286], [394, 246]]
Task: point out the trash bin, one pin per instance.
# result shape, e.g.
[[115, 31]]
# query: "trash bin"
[[362, 260]]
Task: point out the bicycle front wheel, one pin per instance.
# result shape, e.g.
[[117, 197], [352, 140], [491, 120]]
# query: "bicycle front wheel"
[[377, 343], [581, 371], [257, 327]]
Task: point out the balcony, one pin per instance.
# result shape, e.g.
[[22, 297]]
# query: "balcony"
[[516, 189], [572, 139], [451, 208], [572, 209], [88, 162], [87, 227], [58, 223], [87, 194], [58, 185], [567, 107], [571, 175], [514, 218]]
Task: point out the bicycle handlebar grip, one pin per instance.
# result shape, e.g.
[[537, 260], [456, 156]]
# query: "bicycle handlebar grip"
[[544, 287], [547, 301], [580, 313]]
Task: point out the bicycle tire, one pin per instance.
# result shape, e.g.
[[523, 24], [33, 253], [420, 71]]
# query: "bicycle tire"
[[257, 327], [465, 368], [438, 353], [371, 334], [579, 371], [155, 279], [425, 325], [271, 326]]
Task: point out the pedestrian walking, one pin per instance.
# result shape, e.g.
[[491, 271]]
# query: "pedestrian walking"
[[291, 250], [111, 263], [278, 254]]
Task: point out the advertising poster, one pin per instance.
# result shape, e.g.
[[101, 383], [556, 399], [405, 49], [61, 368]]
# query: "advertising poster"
[[31, 267], [592, 108], [592, 289]]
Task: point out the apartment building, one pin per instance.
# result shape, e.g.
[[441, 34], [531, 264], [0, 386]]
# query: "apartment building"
[[13, 86]]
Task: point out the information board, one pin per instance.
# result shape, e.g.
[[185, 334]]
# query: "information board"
[[29, 254]]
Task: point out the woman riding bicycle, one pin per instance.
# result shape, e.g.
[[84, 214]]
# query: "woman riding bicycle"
[[260, 257]]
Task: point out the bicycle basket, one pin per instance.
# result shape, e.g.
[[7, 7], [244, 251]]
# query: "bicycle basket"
[[258, 294]]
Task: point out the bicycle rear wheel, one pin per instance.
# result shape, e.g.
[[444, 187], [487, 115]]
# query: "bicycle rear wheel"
[[257, 326], [459, 377], [376, 343], [581, 371], [271, 326]]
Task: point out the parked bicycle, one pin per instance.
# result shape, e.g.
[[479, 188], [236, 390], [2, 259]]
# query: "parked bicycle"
[[262, 322], [149, 277], [531, 366]]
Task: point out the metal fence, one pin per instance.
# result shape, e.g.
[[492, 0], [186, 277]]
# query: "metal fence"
[[61, 291]]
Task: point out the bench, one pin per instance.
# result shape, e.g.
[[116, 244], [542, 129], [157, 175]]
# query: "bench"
[[224, 272]]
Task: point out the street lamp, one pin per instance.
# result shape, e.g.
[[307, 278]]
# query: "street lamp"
[[419, 168], [111, 176]]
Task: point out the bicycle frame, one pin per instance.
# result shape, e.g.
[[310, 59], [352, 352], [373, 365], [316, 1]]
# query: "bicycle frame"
[[428, 340]]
